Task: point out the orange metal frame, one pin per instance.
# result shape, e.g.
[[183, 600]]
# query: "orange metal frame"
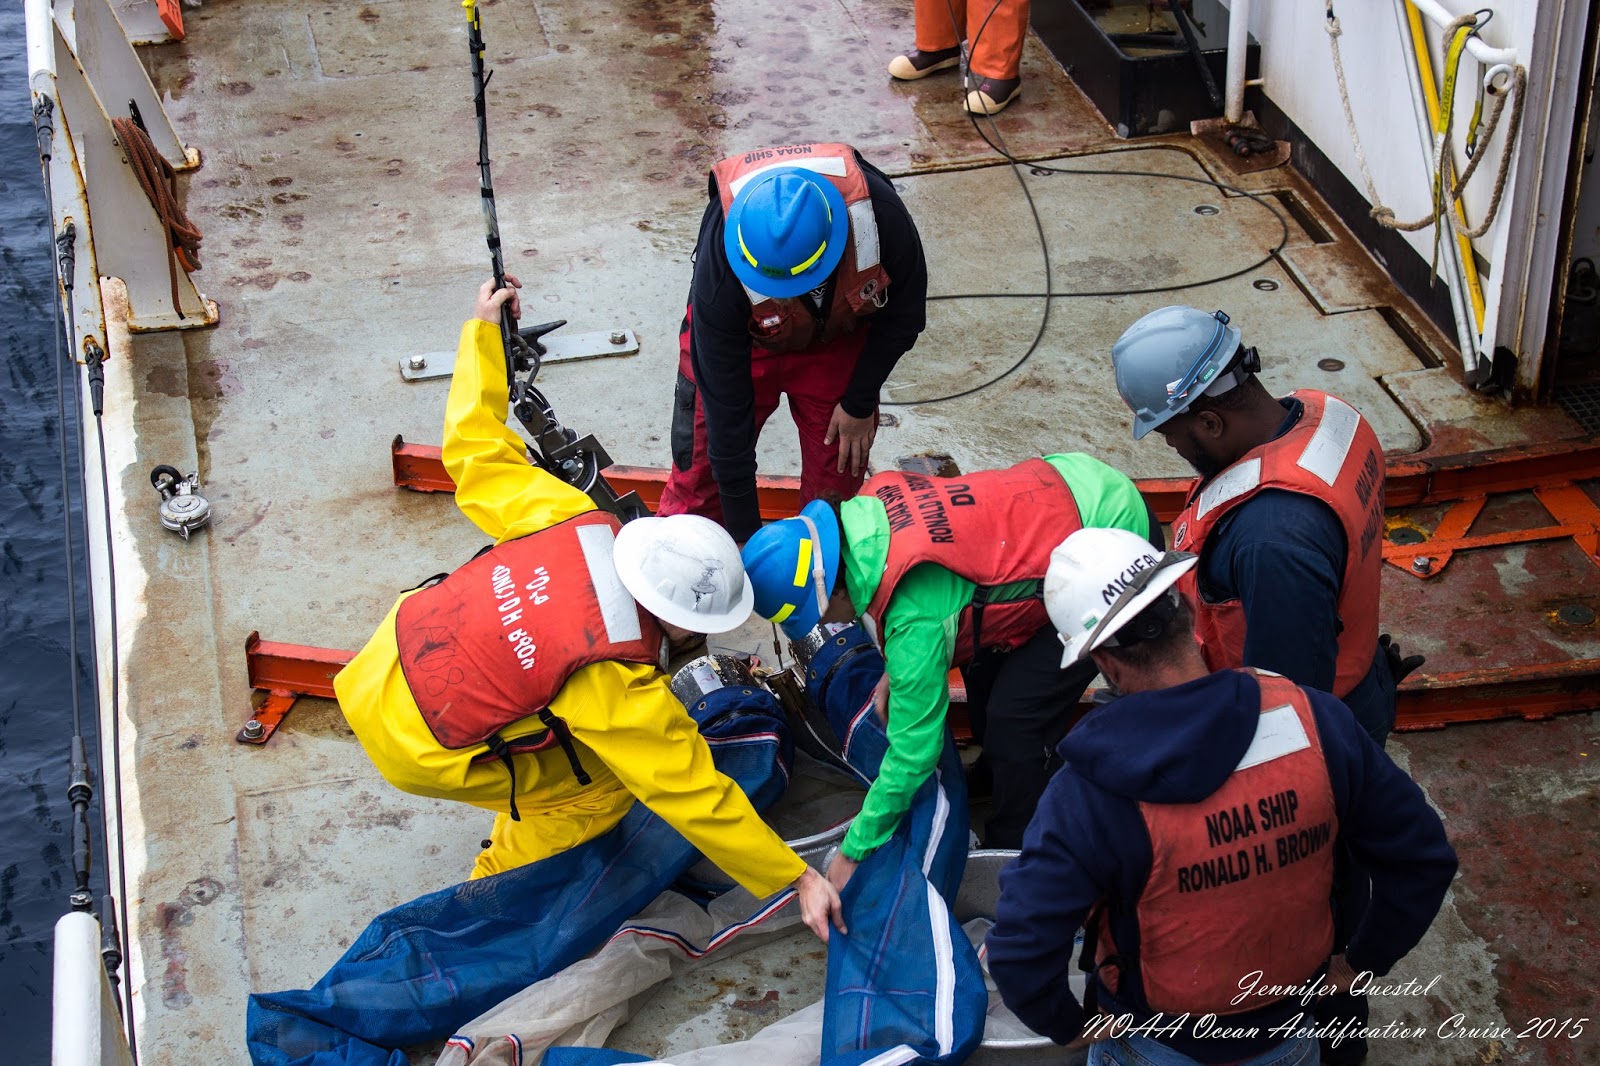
[[287, 671], [418, 467], [172, 17], [1569, 505]]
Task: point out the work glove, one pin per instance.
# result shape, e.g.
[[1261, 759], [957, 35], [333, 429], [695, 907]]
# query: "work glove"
[[1399, 664]]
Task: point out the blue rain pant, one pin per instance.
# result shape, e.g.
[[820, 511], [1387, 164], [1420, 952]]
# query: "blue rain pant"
[[905, 983], [419, 971]]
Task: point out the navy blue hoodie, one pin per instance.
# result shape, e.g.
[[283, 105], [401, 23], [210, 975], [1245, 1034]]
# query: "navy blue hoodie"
[[1178, 745]]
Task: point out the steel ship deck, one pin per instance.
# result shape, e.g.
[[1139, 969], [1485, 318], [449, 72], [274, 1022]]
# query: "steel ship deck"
[[338, 196]]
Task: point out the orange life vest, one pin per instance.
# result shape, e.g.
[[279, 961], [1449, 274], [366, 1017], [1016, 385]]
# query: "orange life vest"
[[493, 642], [859, 284], [1240, 881], [1333, 455], [994, 527]]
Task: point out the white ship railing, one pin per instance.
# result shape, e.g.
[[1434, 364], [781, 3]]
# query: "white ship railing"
[[115, 277], [85, 1026]]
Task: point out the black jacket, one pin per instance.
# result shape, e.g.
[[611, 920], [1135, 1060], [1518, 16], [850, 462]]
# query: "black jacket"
[[719, 343]]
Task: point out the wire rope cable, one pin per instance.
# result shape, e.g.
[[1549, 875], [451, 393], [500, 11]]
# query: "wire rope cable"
[[998, 144], [116, 730], [63, 276]]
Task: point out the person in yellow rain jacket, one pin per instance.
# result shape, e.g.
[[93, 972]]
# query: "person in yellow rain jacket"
[[529, 681]]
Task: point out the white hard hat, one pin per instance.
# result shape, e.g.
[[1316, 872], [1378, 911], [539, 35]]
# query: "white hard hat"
[[686, 571], [1099, 580]]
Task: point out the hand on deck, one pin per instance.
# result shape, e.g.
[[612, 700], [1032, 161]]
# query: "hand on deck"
[[490, 300], [819, 903]]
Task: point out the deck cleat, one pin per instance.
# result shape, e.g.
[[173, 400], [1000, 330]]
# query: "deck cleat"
[[183, 509]]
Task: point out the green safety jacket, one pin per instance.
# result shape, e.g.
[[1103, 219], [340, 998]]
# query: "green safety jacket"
[[919, 628]]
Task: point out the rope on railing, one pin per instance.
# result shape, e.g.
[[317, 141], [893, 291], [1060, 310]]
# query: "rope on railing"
[[160, 184]]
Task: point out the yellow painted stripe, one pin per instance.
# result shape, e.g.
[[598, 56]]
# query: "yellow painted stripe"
[[787, 610], [802, 568]]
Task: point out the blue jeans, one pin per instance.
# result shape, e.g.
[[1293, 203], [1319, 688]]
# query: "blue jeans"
[[1142, 1051]]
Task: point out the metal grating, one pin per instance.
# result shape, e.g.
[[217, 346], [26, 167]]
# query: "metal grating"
[[1582, 402]]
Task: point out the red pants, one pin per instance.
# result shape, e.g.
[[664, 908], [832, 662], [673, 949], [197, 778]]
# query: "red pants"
[[993, 29], [814, 380]]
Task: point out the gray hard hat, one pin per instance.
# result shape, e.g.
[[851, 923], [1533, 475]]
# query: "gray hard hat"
[[1168, 358]]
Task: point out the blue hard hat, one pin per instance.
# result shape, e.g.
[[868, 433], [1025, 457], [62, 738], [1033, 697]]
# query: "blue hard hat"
[[782, 562], [785, 231]]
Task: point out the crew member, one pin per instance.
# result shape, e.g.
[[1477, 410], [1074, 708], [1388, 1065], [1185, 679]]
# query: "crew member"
[[809, 282], [994, 33], [1190, 834], [1287, 516], [530, 682], [948, 571]]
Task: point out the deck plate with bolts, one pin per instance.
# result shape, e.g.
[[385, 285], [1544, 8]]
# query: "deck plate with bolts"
[[597, 345]]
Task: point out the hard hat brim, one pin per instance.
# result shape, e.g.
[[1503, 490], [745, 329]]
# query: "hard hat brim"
[[806, 616], [628, 555], [797, 284], [1079, 647]]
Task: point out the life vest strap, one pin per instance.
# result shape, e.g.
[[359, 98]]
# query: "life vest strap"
[[989, 596], [427, 582], [1086, 963], [558, 729], [502, 751]]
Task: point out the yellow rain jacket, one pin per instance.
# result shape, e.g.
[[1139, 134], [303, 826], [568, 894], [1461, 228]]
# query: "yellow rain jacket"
[[632, 735]]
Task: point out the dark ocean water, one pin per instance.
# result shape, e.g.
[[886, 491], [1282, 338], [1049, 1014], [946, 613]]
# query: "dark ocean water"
[[36, 664]]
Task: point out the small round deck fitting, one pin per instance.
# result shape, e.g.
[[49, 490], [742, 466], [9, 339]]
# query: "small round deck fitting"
[[1422, 564]]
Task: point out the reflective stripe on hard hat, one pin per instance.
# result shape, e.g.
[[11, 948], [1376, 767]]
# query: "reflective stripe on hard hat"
[[802, 566], [1177, 390], [802, 569], [776, 272]]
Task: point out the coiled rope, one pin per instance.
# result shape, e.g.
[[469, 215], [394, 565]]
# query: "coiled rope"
[[1444, 165], [160, 183]]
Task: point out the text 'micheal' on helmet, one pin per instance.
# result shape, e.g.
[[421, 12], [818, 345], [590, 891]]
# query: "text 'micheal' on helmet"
[[1099, 580], [785, 231]]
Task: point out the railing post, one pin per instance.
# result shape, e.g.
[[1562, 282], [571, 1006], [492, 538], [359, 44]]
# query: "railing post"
[[85, 1025], [96, 37], [92, 183]]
